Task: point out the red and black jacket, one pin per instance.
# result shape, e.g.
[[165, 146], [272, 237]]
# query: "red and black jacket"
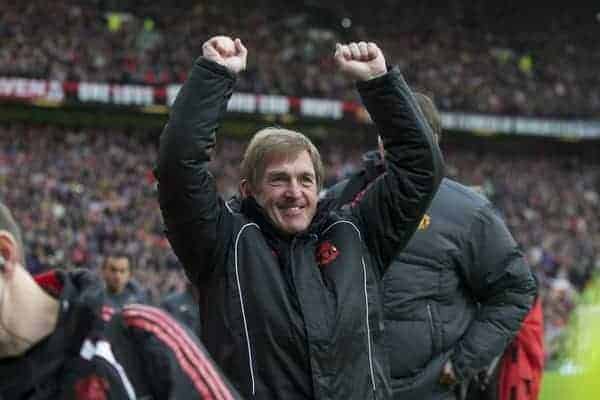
[[96, 353]]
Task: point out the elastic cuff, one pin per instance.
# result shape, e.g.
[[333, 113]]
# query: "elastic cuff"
[[215, 67], [380, 80]]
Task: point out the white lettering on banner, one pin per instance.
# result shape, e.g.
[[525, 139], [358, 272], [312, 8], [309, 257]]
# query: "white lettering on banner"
[[521, 125], [321, 108], [6, 87], [34, 88], [242, 103], [22, 88], [96, 92], [133, 95], [273, 104], [55, 91], [477, 122], [172, 91]]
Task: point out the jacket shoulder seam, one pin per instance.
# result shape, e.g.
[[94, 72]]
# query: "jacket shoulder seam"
[[343, 221]]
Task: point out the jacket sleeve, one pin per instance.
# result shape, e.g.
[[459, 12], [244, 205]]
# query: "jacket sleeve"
[[175, 364], [190, 206], [394, 204], [498, 276]]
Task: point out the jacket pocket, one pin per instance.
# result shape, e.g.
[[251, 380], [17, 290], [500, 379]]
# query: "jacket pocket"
[[409, 345]]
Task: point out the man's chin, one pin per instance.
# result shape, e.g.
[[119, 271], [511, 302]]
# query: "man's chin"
[[290, 226], [292, 229]]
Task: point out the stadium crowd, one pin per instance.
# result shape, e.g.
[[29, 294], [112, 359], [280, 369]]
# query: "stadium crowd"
[[460, 52], [82, 194]]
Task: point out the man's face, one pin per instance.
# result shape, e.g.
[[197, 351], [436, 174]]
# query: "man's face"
[[116, 273], [288, 192]]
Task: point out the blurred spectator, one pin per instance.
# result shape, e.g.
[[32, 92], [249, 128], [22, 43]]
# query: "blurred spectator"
[[120, 288]]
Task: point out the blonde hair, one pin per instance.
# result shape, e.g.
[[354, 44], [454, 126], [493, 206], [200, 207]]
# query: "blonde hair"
[[281, 142]]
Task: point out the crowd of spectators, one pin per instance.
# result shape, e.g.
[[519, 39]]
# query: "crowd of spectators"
[[503, 58], [82, 194]]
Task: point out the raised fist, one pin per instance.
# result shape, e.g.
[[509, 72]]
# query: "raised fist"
[[360, 61], [229, 53]]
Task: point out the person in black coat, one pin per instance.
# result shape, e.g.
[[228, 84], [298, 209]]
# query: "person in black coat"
[[456, 295], [288, 288]]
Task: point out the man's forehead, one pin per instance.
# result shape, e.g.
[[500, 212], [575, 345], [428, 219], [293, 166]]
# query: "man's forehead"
[[288, 163]]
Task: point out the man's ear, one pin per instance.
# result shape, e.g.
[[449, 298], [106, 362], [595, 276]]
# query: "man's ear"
[[9, 252], [245, 188]]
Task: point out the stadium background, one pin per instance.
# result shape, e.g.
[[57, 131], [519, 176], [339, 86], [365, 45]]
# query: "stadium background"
[[85, 88]]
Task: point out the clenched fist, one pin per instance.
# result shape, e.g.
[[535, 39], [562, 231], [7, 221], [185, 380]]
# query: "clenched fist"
[[360, 61], [227, 52]]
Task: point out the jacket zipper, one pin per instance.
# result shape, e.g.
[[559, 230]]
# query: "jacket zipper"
[[431, 327], [243, 308], [368, 325]]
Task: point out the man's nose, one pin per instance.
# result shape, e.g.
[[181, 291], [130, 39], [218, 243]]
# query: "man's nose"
[[294, 189]]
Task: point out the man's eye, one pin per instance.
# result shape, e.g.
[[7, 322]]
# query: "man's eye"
[[277, 181], [307, 181]]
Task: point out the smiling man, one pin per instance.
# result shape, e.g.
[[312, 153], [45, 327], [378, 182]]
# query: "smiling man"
[[285, 181], [288, 287]]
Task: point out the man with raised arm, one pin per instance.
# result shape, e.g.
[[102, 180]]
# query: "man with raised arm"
[[289, 288]]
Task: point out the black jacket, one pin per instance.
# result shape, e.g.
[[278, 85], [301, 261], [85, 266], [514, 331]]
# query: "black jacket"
[[97, 352], [281, 325], [459, 290]]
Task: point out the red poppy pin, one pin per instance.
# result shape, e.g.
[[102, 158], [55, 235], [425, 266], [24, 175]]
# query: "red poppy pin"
[[91, 387], [326, 253]]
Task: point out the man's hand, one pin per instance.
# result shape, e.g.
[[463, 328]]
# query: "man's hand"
[[230, 54], [360, 61], [448, 377]]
